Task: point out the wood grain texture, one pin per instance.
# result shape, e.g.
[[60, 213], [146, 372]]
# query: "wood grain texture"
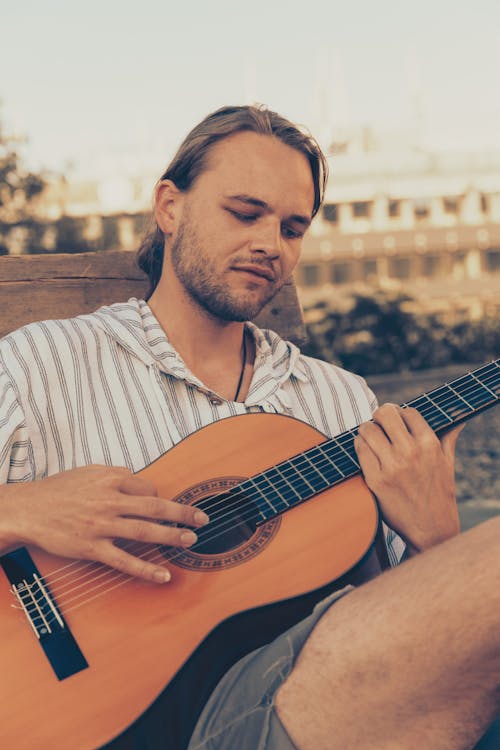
[[40, 287]]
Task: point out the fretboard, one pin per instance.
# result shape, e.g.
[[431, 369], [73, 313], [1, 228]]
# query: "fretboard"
[[301, 477]]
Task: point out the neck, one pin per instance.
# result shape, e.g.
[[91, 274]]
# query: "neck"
[[210, 347], [194, 333]]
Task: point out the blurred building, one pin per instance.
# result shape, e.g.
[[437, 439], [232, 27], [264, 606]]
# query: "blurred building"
[[401, 217], [78, 215]]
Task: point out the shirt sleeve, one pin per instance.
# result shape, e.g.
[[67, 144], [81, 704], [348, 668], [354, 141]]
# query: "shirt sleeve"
[[15, 446], [395, 546], [371, 397]]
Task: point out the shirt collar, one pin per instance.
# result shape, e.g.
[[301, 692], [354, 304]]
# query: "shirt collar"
[[135, 327]]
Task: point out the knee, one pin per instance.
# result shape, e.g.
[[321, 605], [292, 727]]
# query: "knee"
[[489, 529]]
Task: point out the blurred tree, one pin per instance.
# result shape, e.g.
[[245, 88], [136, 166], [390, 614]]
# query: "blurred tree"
[[22, 230], [18, 187], [387, 332]]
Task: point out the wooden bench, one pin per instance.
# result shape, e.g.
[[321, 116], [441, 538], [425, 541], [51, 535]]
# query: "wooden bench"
[[40, 287]]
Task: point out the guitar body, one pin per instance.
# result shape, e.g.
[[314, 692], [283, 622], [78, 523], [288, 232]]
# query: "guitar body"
[[136, 636]]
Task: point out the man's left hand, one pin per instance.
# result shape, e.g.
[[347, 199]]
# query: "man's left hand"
[[411, 472]]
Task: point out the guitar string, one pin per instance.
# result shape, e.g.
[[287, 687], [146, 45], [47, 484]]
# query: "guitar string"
[[125, 579], [450, 389], [183, 551], [320, 464], [115, 578], [231, 512]]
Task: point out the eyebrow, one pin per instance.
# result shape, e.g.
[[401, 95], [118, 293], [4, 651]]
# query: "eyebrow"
[[251, 201]]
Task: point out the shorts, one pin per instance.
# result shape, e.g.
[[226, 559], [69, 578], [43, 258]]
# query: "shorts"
[[240, 712]]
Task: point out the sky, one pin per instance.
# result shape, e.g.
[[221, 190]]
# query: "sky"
[[110, 85]]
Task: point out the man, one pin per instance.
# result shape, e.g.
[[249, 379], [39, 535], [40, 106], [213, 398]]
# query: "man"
[[410, 660]]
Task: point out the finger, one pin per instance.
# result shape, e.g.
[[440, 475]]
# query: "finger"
[[416, 424], [120, 560], [389, 418], [134, 485], [368, 460], [375, 437], [449, 440], [162, 510], [139, 530], [424, 433]]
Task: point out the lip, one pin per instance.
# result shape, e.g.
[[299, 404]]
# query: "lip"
[[254, 270]]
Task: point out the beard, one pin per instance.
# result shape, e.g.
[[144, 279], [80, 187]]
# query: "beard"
[[198, 274]]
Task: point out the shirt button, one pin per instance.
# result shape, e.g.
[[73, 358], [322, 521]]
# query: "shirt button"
[[215, 401]]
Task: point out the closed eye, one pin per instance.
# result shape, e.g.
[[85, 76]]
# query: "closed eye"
[[248, 218], [288, 232], [291, 234]]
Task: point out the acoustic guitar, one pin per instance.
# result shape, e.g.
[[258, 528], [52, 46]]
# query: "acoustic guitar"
[[86, 651]]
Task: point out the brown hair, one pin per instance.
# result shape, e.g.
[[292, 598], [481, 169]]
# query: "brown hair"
[[190, 161]]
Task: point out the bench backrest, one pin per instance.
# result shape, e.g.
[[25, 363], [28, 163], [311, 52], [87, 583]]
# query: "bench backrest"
[[41, 287]]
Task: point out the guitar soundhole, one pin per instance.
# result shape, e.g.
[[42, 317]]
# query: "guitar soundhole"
[[227, 530], [232, 536]]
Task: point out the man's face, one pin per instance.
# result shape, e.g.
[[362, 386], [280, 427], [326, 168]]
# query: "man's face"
[[242, 223]]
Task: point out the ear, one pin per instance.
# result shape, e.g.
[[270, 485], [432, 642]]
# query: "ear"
[[167, 206]]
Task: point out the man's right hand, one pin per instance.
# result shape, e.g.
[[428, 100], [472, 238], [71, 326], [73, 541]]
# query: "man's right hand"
[[81, 512]]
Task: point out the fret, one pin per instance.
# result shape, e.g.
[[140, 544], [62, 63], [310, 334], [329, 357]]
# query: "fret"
[[483, 385], [304, 476], [474, 390], [497, 368], [464, 400], [316, 478], [451, 402], [328, 467], [352, 458], [274, 499], [335, 459], [292, 471], [294, 479], [249, 490], [340, 454], [491, 378], [287, 490], [494, 377], [435, 419]]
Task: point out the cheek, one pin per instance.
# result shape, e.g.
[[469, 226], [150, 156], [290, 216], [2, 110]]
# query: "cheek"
[[221, 238], [290, 258]]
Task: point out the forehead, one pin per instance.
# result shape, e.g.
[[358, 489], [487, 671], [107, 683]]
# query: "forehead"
[[261, 166]]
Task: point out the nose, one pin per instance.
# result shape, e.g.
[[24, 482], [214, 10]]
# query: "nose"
[[267, 238]]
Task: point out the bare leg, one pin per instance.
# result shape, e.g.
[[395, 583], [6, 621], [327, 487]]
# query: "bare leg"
[[410, 661]]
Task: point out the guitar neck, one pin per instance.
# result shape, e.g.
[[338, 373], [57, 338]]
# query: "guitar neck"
[[331, 462], [461, 399]]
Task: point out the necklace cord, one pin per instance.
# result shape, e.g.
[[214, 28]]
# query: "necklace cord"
[[243, 365]]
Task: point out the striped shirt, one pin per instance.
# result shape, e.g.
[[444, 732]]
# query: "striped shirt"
[[108, 388]]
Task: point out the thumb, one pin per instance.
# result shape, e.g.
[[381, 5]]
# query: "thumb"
[[449, 441]]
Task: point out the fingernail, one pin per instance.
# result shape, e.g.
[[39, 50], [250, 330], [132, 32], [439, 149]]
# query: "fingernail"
[[161, 575], [188, 537], [201, 517]]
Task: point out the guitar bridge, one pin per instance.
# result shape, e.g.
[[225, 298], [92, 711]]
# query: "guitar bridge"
[[38, 606], [42, 613]]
